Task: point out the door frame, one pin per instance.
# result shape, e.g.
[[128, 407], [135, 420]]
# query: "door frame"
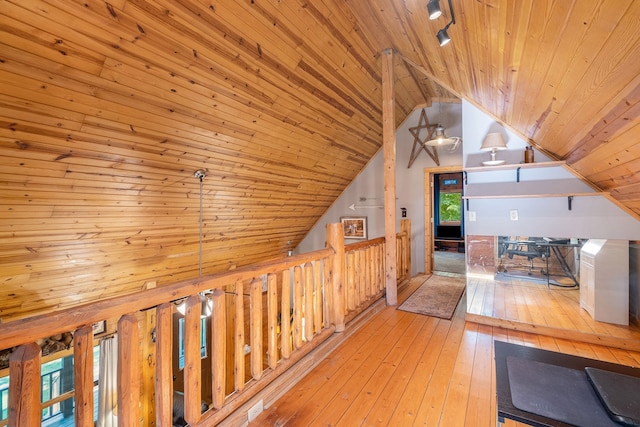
[[428, 211]]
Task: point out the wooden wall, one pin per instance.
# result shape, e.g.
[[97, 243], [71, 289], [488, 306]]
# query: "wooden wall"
[[108, 108]]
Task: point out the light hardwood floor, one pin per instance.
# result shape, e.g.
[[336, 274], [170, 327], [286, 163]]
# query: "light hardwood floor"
[[404, 369], [553, 310]]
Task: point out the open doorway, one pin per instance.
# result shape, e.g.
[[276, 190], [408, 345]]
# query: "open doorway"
[[444, 220]]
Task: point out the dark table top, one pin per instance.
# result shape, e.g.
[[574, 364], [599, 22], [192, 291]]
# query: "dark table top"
[[506, 409]]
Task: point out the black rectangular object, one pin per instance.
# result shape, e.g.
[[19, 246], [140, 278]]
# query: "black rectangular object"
[[619, 394]]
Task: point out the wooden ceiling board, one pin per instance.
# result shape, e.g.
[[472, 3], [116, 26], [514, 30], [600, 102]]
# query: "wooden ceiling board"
[[108, 108]]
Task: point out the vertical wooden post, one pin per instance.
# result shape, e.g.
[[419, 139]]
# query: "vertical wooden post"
[[335, 240], [297, 307], [308, 301], [255, 312], [83, 375], [24, 386], [389, 149], [164, 374], [285, 314], [192, 369], [128, 371], [317, 311], [239, 338], [350, 280], [405, 227], [218, 348], [272, 314]]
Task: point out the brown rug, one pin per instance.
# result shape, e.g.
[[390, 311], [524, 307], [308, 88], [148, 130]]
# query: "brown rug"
[[438, 296]]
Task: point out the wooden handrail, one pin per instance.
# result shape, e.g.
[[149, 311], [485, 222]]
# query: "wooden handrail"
[[306, 298], [21, 331]]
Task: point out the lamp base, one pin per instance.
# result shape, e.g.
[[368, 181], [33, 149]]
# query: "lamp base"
[[493, 162]]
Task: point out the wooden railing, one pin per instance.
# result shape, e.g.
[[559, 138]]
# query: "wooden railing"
[[264, 318]]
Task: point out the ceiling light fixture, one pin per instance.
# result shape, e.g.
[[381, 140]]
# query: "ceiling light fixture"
[[443, 36], [440, 138], [433, 7]]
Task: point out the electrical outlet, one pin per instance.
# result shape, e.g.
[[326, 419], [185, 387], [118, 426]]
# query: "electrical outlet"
[[255, 410], [513, 215], [472, 215]]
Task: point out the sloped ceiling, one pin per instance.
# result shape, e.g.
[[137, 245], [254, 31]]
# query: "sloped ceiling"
[[108, 108]]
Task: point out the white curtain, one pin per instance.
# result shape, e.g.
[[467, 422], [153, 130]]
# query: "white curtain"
[[108, 383]]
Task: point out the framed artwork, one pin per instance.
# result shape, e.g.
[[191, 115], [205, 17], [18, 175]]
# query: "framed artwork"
[[355, 227], [100, 327]]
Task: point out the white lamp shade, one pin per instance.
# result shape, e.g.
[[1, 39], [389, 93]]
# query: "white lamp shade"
[[494, 142]]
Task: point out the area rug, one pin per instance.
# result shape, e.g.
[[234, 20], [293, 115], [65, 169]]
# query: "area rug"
[[438, 296]]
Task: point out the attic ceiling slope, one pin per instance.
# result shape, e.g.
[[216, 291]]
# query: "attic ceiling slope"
[[108, 108], [564, 75]]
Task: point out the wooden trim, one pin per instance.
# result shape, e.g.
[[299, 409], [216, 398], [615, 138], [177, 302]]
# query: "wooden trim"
[[428, 212], [591, 338], [129, 371], [164, 374]]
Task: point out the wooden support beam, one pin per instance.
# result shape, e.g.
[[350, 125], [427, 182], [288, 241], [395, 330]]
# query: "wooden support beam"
[[389, 149], [24, 387], [83, 375], [164, 374], [128, 371], [192, 369], [255, 298], [218, 348], [335, 240]]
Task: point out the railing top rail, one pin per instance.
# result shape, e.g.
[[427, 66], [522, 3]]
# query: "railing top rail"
[[361, 245], [21, 331]]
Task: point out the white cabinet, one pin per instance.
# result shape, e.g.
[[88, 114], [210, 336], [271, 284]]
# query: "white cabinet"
[[604, 280]]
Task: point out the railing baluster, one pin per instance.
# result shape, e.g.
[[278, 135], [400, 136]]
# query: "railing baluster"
[[285, 314], [256, 328], [297, 307], [239, 371], [218, 348], [308, 301], [317, 311], [272, 314], [128, 371], [83, 375], [350, 281], [192, 356], [164, 371], [24, 386]]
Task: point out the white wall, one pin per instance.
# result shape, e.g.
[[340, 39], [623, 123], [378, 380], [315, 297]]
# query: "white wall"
[[409, 185], [590, 217]]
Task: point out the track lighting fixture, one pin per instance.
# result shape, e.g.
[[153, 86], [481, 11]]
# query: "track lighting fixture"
[[433, 7], [442, 35]]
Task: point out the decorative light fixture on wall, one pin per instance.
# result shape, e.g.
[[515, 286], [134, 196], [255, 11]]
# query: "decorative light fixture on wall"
[[443, 37], [440, 138], [433, 7], [493, 142]]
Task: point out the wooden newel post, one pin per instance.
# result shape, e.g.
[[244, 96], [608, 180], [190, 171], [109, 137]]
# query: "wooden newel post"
[[335, 241], [24, 387]]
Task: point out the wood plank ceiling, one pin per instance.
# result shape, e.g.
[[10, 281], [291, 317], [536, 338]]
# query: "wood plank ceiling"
[[108, 108]]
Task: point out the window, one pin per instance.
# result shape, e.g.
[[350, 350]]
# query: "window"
[[56, 379], [203, 340]]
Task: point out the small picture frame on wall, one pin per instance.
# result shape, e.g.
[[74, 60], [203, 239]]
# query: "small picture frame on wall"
[[100, 327], [355, 227]]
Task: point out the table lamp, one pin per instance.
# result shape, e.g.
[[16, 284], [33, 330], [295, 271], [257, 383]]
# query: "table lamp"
[[493, 142]]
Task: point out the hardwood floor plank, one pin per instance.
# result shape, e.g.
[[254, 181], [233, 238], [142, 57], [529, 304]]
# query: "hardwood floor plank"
[[403, 369], [396, 387], [381, 377]]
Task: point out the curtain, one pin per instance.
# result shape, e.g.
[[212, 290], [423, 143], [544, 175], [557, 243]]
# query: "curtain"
[[107, 383]]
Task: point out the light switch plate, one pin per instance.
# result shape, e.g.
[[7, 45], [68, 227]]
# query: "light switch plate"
[[513, 214], [472, 215]]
